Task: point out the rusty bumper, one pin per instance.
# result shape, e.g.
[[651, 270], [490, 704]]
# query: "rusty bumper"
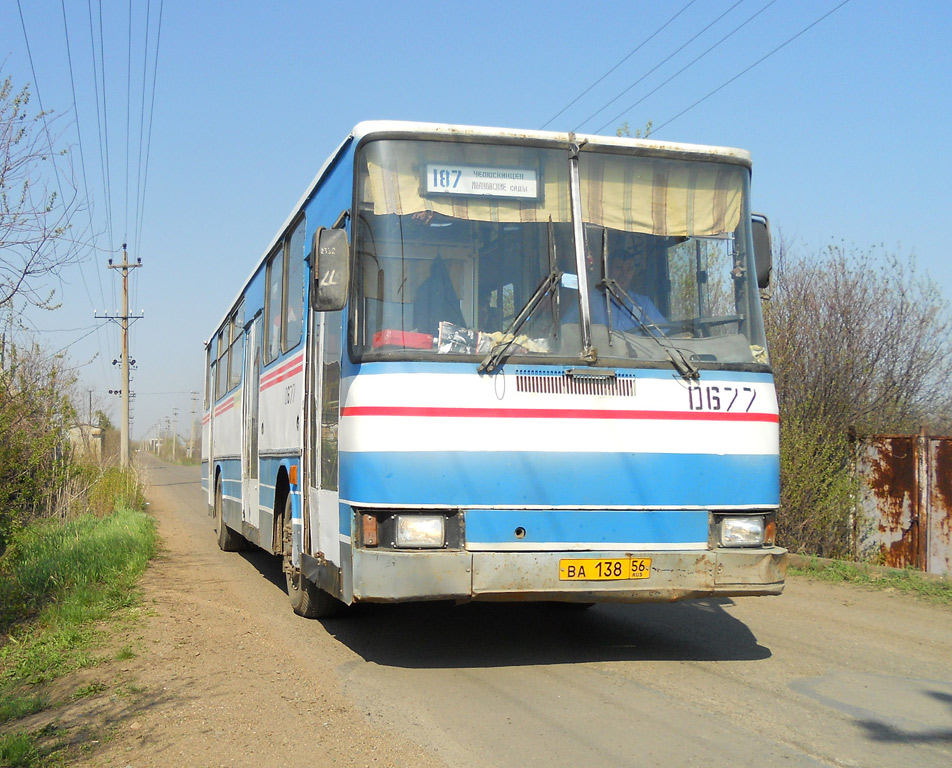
[[385, 576]]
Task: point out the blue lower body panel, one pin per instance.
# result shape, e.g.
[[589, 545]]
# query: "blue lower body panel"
[[535, 479]]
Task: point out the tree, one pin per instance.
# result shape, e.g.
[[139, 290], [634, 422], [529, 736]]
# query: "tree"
[[859, 343], [35, 413], [35, 220]]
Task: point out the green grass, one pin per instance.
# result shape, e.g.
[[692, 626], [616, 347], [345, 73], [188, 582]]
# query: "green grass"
[[125, 653], [19, 750], [13, 707], [90, 689], [907, 581], [63, 585], [74, 572], [60, 583]]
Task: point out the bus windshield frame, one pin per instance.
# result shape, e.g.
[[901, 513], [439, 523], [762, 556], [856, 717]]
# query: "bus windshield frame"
[[462, 247]]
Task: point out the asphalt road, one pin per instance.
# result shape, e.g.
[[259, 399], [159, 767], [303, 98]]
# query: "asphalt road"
[[822, 675]]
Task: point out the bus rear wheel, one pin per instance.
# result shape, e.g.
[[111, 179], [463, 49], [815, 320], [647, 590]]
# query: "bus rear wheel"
[[307, 599], [228, 540]]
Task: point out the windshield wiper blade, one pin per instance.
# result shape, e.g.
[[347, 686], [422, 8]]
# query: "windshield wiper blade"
[[685, 367], [498, 353]]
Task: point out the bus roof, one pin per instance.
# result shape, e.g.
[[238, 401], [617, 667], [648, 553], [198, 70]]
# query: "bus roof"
[[729, 154]]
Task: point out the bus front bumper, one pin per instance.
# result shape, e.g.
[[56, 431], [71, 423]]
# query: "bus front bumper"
[[390, 576]]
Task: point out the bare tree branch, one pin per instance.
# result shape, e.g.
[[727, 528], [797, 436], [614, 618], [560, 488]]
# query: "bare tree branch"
[[35, 220]]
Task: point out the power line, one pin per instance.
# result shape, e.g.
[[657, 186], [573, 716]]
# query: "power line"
[[658, 65], [637, 48], [688, 65], [82, 156], [56, 169], [125, 223], [76, 341], [105, 125], [148, 144], [747, 69], [145, 70]]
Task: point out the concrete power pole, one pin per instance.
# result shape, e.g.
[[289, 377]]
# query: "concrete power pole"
[[124, 325], [191, 442], [174, 431]]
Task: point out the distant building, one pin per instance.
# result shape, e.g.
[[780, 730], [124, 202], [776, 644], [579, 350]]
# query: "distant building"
[[86, 440]]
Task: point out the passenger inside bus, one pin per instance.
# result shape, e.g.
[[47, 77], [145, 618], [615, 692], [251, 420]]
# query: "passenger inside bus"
[[436, 301]]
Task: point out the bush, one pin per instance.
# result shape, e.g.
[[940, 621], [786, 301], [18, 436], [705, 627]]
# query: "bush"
[[34, 412], [859, 345]]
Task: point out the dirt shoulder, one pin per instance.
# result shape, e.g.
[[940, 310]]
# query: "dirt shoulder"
[[214, 684]]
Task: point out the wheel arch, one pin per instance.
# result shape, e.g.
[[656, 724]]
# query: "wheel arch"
[[282, 488]]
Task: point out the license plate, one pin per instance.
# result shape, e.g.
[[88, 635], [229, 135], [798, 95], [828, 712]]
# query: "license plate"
[[601, 569]]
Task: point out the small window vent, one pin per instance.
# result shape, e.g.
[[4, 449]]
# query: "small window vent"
[[575, 382]]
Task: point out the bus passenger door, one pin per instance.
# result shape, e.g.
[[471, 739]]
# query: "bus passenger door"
[[312, 442], [249, 421], [324, 354]]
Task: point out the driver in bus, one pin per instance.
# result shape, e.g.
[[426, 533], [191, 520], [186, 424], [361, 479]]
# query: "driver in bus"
[[626, 266]]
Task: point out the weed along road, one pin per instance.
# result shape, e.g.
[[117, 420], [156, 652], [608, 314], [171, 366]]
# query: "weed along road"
[[822, 675]]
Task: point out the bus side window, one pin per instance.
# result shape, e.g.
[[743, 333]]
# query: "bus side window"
[[274, 305], [294, 309], [209, 373], [235, 353], [221, 379]]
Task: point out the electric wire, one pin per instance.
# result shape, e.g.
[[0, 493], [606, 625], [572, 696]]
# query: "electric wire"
[[632, 53], [99, 121], [657, 66], [148, 142], [140, 154], [145, 69], [79, 134], [76, 341], [125, 223], [39, 97], [747, 69], [687, 66], [105, 125]]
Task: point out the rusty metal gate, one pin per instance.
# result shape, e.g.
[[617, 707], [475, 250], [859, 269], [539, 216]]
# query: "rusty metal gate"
[[904, 510]]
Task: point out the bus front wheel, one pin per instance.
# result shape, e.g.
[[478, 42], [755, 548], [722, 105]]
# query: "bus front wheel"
[[307, 599]]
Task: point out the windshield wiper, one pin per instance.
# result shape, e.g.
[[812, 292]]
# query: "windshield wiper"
[[498, 353], [685, 367]]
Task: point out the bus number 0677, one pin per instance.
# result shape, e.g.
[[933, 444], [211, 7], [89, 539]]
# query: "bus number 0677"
[[711, 398]]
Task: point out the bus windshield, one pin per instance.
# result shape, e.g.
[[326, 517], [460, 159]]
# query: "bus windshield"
[[462, 247]]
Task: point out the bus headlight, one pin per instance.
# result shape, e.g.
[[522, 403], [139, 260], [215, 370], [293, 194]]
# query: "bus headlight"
[[747, 531], [419, 531]]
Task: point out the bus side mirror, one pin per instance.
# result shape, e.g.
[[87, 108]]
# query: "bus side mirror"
[[763, 251], [331, 270]]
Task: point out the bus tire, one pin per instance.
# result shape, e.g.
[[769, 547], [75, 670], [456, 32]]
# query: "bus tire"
[[228, 540], [307, 599]]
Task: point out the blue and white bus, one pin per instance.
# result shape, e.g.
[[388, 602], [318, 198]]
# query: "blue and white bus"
[[489, 364]]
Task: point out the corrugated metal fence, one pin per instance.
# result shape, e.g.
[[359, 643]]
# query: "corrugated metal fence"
[[904, 510]]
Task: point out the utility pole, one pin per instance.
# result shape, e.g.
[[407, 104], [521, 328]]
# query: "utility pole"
[[174, 431], [191, 444], [123, 320]]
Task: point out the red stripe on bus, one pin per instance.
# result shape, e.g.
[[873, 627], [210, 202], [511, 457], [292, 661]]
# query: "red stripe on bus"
[[277, 372], [284, 377], [553, 413], [225, 407]]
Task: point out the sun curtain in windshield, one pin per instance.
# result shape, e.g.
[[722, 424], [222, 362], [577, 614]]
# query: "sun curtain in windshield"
[[454, 240]]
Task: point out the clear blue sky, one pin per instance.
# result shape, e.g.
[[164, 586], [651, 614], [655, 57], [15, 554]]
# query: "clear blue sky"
[[848, 125]]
